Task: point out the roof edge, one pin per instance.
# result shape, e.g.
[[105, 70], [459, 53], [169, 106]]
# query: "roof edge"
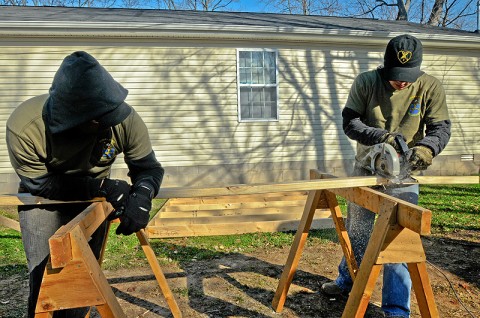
[[32, 29]]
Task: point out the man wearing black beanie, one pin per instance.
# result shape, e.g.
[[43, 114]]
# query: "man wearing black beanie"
[[62, 146], [396, 100]]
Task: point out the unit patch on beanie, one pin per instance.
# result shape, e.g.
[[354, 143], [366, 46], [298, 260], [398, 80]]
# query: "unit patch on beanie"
[[404, 56]]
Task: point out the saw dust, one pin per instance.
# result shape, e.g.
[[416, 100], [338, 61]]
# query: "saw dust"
[[243, 285]]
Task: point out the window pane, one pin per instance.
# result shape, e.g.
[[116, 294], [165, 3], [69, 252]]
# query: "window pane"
[[257, 59], [257, 76], [270, 94], [245, 76], [270, 76], [245, 103], [257, 102], [245, 59], [270, 59]]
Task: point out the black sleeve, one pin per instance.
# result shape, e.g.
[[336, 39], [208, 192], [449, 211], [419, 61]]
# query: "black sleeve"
[[62, 187], [437, 136], [356, 130], [147, 169]]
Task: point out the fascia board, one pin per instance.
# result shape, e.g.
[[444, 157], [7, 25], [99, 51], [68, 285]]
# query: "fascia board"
[[223, 32]]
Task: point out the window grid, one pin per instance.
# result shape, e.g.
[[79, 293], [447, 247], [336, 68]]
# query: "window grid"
[[258, 100]]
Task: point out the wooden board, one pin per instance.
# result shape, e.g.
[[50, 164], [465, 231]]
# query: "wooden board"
[[225, 215], [7, 222], [264, 188], [229, 228]]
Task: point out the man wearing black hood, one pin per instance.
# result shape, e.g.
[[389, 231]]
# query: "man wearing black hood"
[[62, 146]]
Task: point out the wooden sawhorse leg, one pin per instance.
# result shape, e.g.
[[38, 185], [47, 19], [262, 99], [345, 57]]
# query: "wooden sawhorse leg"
[[157, 271], [391, 243], [316, 199], [73, 278]]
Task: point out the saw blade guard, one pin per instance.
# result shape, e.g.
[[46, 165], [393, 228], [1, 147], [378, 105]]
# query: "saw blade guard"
[[385, 161]]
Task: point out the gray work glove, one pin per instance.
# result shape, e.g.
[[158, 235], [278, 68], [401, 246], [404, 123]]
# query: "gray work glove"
[[420, 158], [135, 213], [390, 139]]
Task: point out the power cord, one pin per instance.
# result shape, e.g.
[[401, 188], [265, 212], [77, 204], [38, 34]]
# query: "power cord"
[[453, 289]]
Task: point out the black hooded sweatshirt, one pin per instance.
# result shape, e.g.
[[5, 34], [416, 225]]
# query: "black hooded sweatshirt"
[[62, 144]]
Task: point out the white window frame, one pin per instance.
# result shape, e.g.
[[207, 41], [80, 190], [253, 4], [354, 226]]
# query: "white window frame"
[[240, 85]]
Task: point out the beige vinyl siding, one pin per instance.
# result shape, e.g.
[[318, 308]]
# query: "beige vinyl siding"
[[459, 71], [187, 95]]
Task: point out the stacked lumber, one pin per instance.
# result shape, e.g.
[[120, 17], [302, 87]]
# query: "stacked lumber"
[[225, 215]]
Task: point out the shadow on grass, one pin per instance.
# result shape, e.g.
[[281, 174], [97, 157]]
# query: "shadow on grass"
[[248, 285]]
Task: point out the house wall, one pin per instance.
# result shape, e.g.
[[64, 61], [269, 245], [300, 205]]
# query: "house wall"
[[187, 95]]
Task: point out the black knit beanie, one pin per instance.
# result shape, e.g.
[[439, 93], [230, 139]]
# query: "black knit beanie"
[[403, 57], [83, 90]]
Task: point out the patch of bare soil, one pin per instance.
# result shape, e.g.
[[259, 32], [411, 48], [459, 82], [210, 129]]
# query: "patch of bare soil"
[[243, 285]]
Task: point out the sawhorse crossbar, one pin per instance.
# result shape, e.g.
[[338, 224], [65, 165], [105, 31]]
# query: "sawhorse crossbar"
[[395, 239], [73, 277]]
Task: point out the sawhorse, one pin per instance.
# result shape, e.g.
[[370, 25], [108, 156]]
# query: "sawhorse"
[[73, 277], [395, 239]]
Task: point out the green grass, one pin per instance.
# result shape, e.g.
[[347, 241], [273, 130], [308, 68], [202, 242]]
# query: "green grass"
[[453, 207], [12, 256]]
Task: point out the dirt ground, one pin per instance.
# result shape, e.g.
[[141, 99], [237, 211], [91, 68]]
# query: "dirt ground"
[[243, 285]]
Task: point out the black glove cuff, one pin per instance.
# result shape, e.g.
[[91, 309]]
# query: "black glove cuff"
[[94, 186], [144, 188]]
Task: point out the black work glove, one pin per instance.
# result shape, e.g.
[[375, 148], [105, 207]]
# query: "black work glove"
[[390, 139], [114, 191], [420, 158], [136, 210]]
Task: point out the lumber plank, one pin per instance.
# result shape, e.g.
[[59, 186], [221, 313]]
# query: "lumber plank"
[[228, 229], [234, 220], [264, 197], [409, 215], [8, 222], [209, 213], [28, 199], [448, 179], [301, 185], [231, 205], [233, 190]]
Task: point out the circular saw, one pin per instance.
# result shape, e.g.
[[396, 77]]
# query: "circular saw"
[[384, 161]]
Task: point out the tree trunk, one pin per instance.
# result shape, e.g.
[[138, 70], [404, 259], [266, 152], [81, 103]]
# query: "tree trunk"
[[402, 11], [436, 12]]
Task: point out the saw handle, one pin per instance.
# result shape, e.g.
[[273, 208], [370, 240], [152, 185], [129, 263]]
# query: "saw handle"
[[402, 145]]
